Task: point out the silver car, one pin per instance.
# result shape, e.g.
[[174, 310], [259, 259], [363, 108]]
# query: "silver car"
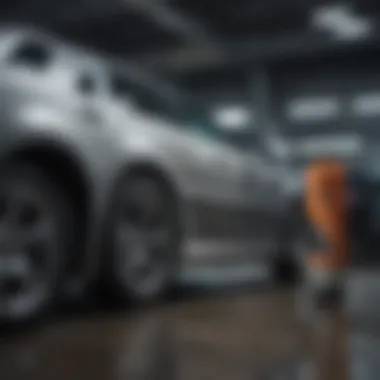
[[110, 175]]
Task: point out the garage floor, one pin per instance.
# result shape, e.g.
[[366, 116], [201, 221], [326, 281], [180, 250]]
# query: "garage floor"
[[224, 335]]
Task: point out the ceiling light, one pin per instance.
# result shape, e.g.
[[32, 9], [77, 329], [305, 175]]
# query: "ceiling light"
[[345, 145], [341, 22], [313, 108], [233, 117]]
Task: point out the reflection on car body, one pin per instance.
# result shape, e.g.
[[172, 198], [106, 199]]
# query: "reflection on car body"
[[127, 170]]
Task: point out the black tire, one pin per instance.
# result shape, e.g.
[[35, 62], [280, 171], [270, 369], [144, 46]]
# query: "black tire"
[[40, 226], [136, 195], [286, 266], [285, 270]]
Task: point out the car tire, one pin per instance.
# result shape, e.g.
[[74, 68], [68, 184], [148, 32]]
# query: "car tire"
[[286, 265], [37, 229], [285, 270], [143, 240]]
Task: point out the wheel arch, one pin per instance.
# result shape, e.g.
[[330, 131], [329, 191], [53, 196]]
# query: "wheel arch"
[[63, 164]]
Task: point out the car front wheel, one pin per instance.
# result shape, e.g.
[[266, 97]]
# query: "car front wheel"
[[36, 223]]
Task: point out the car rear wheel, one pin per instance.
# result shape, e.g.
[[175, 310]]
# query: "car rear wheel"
[[36, 235], [144, 238]]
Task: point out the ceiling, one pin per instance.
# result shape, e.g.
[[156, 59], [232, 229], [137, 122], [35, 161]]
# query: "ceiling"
[[195, 40]]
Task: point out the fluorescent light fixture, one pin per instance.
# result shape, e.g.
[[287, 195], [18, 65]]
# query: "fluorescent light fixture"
[[233, 117], [313, 109], [345, 145], [341, 22], [367, 104]]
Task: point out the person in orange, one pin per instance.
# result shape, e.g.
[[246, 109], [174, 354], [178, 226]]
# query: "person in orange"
[[327, 214]]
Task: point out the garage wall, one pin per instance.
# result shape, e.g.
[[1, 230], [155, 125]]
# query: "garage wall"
[[329, 98]]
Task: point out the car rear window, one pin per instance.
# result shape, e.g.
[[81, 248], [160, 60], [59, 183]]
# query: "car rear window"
[[87, 84]]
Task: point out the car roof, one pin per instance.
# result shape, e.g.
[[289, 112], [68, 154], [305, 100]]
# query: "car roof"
[[134, 74]]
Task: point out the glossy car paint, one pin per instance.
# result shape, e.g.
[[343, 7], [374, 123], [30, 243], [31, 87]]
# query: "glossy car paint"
[[231, 200]]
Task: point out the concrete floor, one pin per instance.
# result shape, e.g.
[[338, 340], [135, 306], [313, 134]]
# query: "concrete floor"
[[224, 335]]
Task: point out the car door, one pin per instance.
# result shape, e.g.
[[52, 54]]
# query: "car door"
[[186, 145], [236, 216], [262, 189], [221, 224], [209, 172], [218, 215]]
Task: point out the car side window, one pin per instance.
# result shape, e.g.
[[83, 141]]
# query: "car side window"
[[198, 121], [243, 140], [32, 54], [87, 84], [119, 87], [145, 100], [122, 90], [204, 127]]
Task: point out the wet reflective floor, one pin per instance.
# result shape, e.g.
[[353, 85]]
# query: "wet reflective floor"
[[235, 335]]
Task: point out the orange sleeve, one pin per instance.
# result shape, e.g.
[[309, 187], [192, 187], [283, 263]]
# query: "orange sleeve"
[[326, 208]]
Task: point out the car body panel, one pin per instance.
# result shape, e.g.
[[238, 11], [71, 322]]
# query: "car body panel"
[[230, 201]]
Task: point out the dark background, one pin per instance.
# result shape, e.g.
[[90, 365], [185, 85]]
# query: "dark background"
[[259, 54]]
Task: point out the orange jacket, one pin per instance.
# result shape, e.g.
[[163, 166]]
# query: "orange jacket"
[[326, 208]]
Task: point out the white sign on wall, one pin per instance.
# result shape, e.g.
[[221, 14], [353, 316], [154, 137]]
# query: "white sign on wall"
[[366, 105], [313, 109], [346, 145]]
